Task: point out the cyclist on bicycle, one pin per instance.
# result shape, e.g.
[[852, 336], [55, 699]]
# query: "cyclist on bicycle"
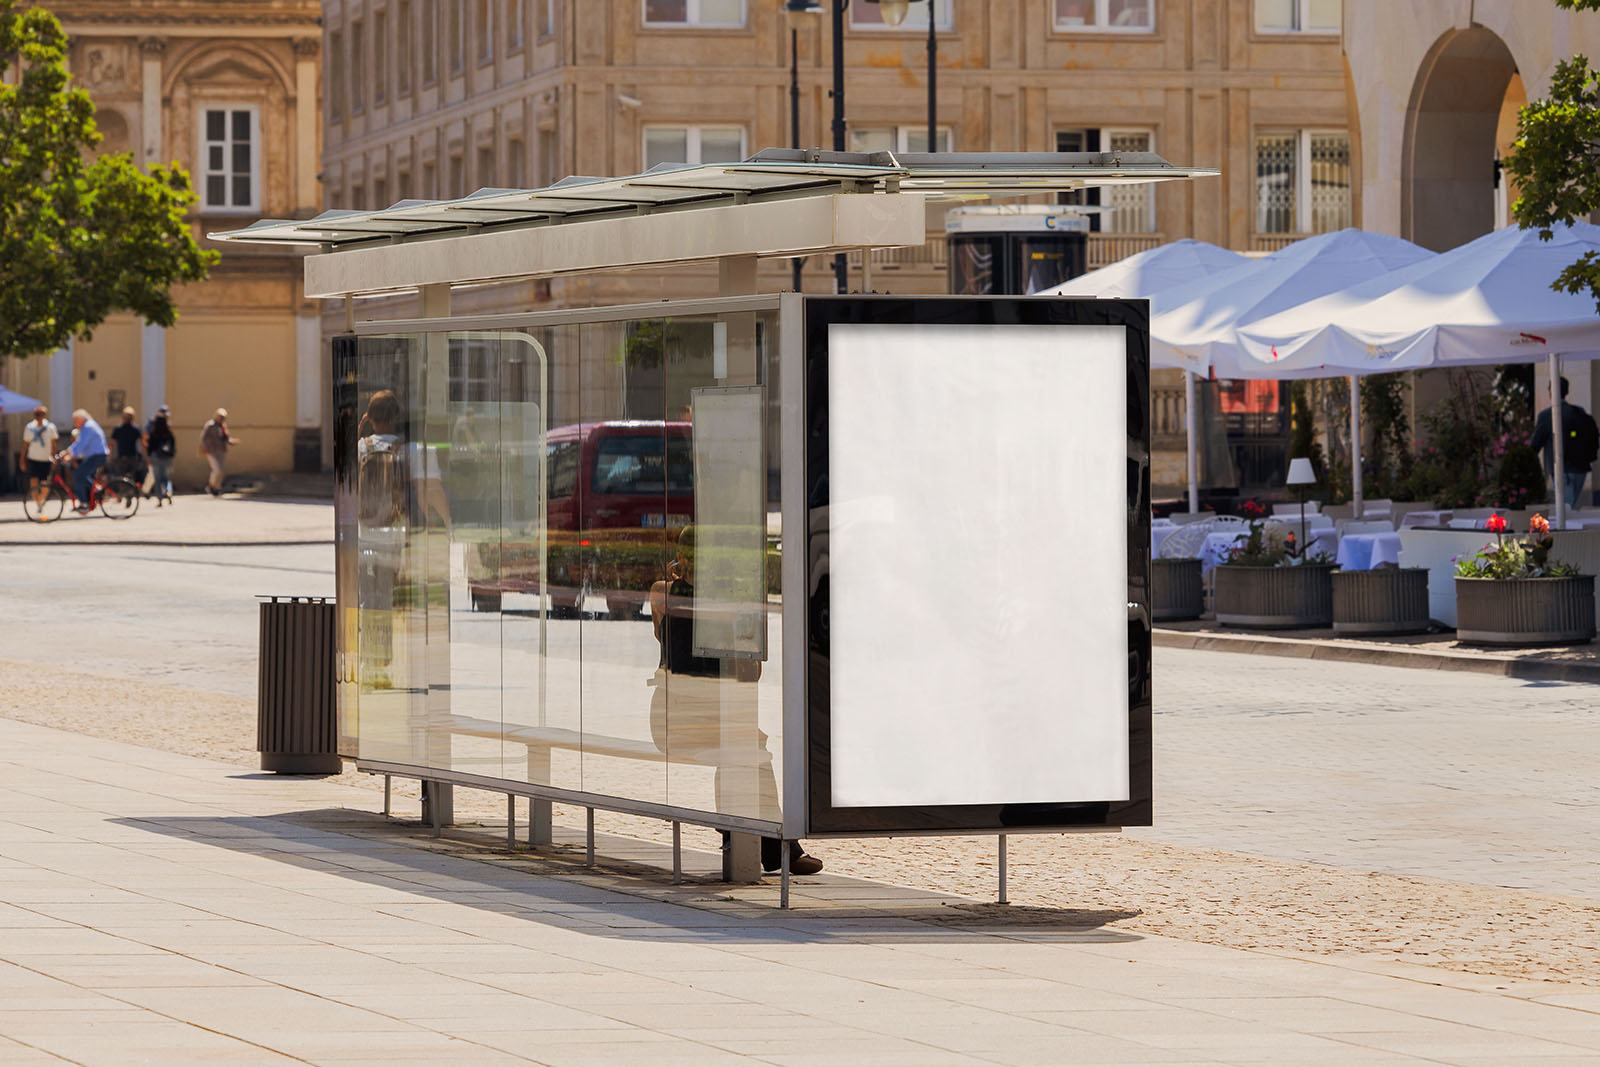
[[89, 449]]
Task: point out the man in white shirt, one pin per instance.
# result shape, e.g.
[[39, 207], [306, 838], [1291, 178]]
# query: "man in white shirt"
[[40, 438]]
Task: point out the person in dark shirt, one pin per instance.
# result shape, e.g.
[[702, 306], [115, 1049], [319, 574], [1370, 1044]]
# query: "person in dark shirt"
[[1579, 447], [126, 439], [161, 446]]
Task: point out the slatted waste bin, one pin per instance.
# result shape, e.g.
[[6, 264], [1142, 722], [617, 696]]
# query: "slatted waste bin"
[[296, 720]]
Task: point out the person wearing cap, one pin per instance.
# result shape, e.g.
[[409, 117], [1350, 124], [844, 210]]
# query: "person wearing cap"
[[127, 438], [161, 446], [89, 449], [214, 444], [40, 438]]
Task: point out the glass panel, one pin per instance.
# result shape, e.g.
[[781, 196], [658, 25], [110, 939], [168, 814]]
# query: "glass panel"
[[216, 125], [216, 190], [241, 126], [665, 144], [666, 11], [391, 679], [917, 139], [872, 139], [717, 630], [1324, 16], [1275, 15], [241, 192], [472, 500], [869, 15], [1075, 13], [241, 158], [721, 146], [1330, 182], [608, 564], [1132, 14], [722, 12], [214, 157], [1275, 182]]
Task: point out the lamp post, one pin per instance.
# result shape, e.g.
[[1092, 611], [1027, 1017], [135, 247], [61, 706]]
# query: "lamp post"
[[796, 10], [894, 13]]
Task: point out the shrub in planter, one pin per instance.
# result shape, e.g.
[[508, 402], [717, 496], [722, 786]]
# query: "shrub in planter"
[[1267, 584], [1513, 593]]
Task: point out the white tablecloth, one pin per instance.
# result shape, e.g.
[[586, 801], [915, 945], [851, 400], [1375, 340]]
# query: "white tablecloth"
[[1362, 552], [1216, 546]]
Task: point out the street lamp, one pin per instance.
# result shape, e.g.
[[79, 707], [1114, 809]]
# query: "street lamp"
[[894, 13], [796, 10]]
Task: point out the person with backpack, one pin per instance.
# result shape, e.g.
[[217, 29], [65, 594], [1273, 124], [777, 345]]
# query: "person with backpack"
[[1579, 449], [161, 446]]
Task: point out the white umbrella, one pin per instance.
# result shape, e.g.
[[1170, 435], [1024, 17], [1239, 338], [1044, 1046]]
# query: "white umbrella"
[[1488, 301], [1147, 275], [1201, 320], [12, 403]]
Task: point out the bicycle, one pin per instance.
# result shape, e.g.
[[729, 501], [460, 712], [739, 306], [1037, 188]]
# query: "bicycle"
[[116, 497]]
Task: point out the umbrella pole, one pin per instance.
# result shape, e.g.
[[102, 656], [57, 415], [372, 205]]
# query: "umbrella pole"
[[1558, 444], [1356, 497], [1189, 431]]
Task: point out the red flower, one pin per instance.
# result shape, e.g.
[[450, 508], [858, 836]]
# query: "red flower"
[[1496, 524], [1539, 524]]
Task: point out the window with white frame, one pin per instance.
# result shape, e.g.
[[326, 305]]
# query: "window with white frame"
[[693, 12], [898, 139], [692, 144], [1298, 16], [1302, 181], [865, 16], [1106, 16], [230, 162], [484, 17], [1131, 208]]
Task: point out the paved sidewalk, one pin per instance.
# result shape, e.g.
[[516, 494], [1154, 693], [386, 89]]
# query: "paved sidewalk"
[[159, 908], [190, 520]]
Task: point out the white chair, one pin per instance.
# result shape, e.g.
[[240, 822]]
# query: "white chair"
[[1377, 509], [1466, 522], [1366, 526], [1293, 510], [1186, 541]]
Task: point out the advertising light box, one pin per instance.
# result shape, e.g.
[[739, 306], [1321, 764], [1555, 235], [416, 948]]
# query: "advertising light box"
[[977, 500]]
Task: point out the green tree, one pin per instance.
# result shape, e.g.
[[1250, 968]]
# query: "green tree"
[[1556, 159], [79, 239]]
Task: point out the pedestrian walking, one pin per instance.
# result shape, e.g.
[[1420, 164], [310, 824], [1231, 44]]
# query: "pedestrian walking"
[[214, 444], [127, 440], [1579, 449], [161, 446], [89, 449], [39, 438]]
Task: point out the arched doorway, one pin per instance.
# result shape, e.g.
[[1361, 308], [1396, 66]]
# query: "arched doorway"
[[1452, 127]]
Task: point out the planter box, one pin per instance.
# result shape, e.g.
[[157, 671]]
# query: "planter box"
[[1175, 589], [1386, 601], [1275, 598], [1525, 611]]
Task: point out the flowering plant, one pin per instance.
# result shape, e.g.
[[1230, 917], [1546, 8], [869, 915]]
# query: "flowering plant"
[[1513, 557], [1269, 546]]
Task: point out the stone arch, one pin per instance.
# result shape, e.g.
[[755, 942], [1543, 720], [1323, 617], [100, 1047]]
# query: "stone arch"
[[231, 63], [1447, 192]]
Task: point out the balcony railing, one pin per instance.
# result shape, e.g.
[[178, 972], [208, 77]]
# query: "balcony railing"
[[1272, 242]]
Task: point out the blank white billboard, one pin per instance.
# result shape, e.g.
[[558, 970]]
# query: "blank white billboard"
[[977, 551]]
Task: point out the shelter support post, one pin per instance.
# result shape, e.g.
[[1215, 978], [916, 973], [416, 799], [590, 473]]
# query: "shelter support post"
[[677, 853], [511, 822], [1190, 421], [1003, 899], [1357, 498], [783, 875], [387, 789], [588, 858], [1558, 441]]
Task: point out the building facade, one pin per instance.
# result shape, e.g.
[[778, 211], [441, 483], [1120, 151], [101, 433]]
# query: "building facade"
[[229, 90]]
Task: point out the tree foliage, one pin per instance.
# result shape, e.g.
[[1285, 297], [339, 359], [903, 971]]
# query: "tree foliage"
[[79, 239], [1556, 160]]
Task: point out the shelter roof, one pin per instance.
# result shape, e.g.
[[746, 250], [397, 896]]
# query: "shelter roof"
[[772, 174]]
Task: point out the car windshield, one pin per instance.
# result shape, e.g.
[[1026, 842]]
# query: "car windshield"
[[637, 465]]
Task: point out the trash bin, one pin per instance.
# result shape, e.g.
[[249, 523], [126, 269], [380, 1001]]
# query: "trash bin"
[[296, 721]]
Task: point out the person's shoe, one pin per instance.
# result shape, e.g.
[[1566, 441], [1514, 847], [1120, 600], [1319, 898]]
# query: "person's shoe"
[[799, 861], [83, 511]]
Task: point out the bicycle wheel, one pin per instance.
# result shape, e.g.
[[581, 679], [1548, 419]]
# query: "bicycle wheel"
[[120, 499], [47, 508]]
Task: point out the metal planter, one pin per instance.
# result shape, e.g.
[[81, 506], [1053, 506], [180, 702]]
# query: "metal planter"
[[1386, 601], [1176, 591], [1274, 598], [1525, 611]]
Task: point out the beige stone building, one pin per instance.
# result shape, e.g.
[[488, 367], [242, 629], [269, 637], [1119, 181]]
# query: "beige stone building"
[[228, 89]]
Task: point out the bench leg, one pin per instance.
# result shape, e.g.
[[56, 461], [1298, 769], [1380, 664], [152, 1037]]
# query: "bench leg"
[[677, 853], [438, 805], [541, 829], [783, 875], [387, 782], [511, 823], [741, 860], [590, 859]]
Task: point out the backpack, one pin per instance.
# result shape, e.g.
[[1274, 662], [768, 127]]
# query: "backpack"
[[1583, 441], [381, 484]]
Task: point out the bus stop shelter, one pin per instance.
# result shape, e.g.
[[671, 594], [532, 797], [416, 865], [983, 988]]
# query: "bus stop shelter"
[[788, 566]]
